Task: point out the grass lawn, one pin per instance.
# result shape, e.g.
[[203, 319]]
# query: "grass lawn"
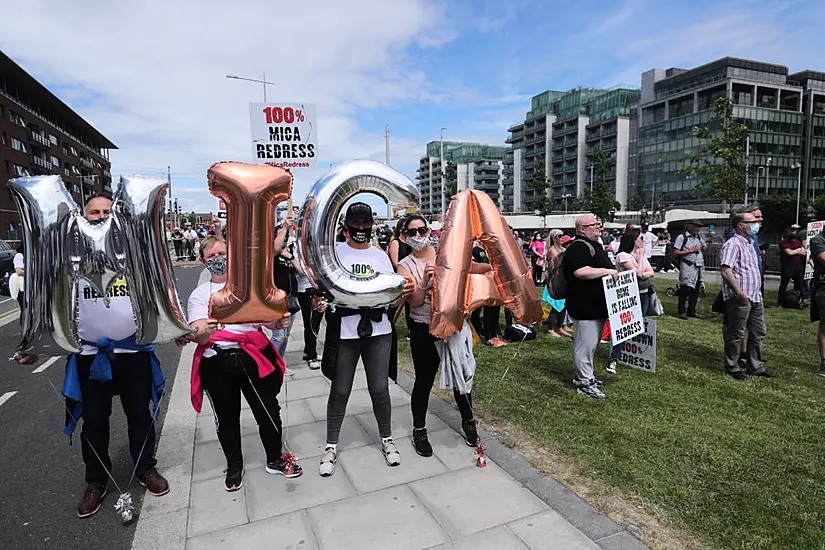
[[735, 464]]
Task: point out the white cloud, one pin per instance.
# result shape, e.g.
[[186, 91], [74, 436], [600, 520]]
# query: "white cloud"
[[151, 74]]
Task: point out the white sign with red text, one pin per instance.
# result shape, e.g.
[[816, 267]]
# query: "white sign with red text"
[[623, 306], [658, 250], [221, 209], [814, 229], [640, 351], [284, 134]]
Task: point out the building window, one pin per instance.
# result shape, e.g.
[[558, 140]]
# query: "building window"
[[20, 170], [66, 171], [55, 161], [18, 145], [73, 150], [17, 119], [75, 171], [4, 139], [53, 139]]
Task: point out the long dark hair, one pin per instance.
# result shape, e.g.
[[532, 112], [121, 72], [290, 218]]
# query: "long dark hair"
[[396, 233], [628, 241], [412, 217]]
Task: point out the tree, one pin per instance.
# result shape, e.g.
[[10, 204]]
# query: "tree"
[[780, 211], [636, 201], [450, 180], [541, 183], [720, 165], [602, 200]]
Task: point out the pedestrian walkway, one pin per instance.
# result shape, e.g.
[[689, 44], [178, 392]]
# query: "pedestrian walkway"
[[444, 501]]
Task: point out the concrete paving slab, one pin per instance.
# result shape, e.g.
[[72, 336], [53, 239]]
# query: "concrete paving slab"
[[368, 471], [548, 530], [310, 439], [621, 541], [303, 372], [272, 495], [174, 456], [213, 508], [474, 499], [359, 403], [392, 518], [451, 449], [209, 461], [497, 538], [401, 422], [290, 531], [303, 388], [162, 531]]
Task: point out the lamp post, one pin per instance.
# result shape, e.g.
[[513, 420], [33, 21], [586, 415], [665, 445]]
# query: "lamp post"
[[768, 175], [591, 179], [565, 197], [758, 171], [443, 201], [798, 166], [264, 81]]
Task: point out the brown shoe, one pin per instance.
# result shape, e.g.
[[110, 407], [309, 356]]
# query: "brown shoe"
[[683, 316], [154, 483], [693, 316], [91, 501]]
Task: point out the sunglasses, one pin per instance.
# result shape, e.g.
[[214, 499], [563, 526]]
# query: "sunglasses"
[[420, 230], [592, 224]]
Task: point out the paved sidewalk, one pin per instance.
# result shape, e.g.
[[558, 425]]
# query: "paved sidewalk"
[[444, 501]]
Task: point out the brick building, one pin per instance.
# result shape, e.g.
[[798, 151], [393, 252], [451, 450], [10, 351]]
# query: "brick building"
[[39, 134]]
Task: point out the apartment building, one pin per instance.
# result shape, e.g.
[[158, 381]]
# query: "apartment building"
[[39, 134]]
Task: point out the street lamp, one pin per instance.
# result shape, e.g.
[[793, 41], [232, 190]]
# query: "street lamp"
[[264, 81], [768, 175], [759, 170], [798, 166], [565, 197], [443, 201]]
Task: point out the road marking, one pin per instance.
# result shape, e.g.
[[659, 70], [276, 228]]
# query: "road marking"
[[46, 365], [6, 396], [10, 313], [6, 300]]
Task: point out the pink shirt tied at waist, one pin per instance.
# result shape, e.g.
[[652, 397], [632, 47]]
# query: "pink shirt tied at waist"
[[253, 343]]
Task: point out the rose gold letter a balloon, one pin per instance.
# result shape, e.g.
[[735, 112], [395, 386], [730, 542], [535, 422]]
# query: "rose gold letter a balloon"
[[473, 215], [251, 193]]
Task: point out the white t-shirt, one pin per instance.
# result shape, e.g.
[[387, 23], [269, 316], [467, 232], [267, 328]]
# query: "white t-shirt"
[[190, 235], [96, 320], [363, 263], [303, 283], [18, 261], [199, 309], [649, 239]]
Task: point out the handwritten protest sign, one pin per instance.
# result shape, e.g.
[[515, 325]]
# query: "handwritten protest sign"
[[640, 351], [814, 229], [623, 306]]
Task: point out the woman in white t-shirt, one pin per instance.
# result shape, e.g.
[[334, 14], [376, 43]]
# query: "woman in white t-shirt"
[[420, 267], [237, 359], [632, 256]]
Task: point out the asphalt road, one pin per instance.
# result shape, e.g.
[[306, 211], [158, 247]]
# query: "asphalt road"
[[43, 476]]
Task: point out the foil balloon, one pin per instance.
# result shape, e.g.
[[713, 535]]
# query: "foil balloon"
[[251, 193], [473, 215], [317, 225], [139, 210]]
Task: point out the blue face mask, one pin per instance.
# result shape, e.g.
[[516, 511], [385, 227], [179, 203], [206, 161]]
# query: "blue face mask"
[[755, 229]]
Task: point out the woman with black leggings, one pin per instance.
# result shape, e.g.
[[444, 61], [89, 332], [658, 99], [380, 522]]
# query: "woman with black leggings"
[[420, 266]]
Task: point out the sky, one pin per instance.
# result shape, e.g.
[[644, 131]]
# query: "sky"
[[151, 74]]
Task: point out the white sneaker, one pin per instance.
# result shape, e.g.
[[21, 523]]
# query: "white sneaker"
[[289, 372], [391, 454], [327, 466], [314, 364]]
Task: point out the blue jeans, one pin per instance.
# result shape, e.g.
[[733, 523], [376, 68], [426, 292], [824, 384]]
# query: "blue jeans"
[[644, 302], [281, 337]]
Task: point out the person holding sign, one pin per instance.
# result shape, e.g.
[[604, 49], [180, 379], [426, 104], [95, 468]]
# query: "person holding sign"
[[817, 244], [632, 257], [585, 263]]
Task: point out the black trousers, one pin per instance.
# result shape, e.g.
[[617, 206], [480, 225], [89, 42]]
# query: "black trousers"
[[21, 301], [425, 362], [132, 380], [791, 272], [691, 295], [485, 321], [224, 377], [312, 324], [178, 249]]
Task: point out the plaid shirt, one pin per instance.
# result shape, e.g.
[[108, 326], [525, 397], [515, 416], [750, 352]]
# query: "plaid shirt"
[[739, 254]]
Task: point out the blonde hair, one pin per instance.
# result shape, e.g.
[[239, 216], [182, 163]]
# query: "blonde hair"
[[208, 243]]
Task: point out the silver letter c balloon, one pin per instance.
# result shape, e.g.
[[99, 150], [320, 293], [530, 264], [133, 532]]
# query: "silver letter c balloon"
[[318, 222], [62, 248]]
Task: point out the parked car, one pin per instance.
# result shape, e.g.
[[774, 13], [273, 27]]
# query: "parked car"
[[6, 266]]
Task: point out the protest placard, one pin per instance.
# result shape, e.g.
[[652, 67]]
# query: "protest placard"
[[814, 229], [284, 134], [658, 250], [640, 351], [623, 307]]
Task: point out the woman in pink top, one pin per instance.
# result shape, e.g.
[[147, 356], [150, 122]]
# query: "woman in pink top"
[[537, 257]]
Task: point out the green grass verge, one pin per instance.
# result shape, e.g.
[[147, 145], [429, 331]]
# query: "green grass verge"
[[742, 464]]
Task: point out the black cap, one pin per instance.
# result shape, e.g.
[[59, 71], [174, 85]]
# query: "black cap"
[[359, 211]]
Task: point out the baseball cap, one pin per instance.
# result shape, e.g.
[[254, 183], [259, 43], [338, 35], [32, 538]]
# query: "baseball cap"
[[566, 239], [795, 226], [359, 211]]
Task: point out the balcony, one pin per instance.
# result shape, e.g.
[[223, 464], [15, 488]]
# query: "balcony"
[[571, 142], [41, 165], [557, 145], [41, 140], [87, 163], [88, 180]]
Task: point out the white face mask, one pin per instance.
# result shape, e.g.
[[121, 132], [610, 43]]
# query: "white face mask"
[[418, 243]]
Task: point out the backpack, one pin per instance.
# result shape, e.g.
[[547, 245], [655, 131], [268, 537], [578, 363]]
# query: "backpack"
[[791, 299], [519, 333], [677, 260], [556, 283]]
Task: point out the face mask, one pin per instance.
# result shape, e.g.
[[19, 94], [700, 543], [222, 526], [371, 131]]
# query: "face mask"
[[755, 229], [359, 236], [418, 243], [97, 222], [216, 265]]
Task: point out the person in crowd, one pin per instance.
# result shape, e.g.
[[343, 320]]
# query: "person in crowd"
[[689, 249], [214, 228], [111, 362], [190, 237], [485, 320], [650, 239], [354, 334], [384, 240], [420, 268], [802, 236], [177, 242], [519, 240], [817, 245], [743, 300], [585, 263], [537, 257], [17, 291], [235, 360], [756, 210], [631, 255], [398, 248], [792, 258], [286, 268], [312, 321], [557, 307], [607, 241]]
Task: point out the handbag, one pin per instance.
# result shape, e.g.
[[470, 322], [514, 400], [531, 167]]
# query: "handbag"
[[656, 307]]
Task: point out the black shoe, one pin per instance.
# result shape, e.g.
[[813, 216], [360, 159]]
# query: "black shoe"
[[738, 375], [764, 373], [421, 443], [470, 432], [743, 361], [307, 357], [282, 468], [234, 478]]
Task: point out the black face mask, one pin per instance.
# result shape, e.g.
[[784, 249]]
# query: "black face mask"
[[358, 235]]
